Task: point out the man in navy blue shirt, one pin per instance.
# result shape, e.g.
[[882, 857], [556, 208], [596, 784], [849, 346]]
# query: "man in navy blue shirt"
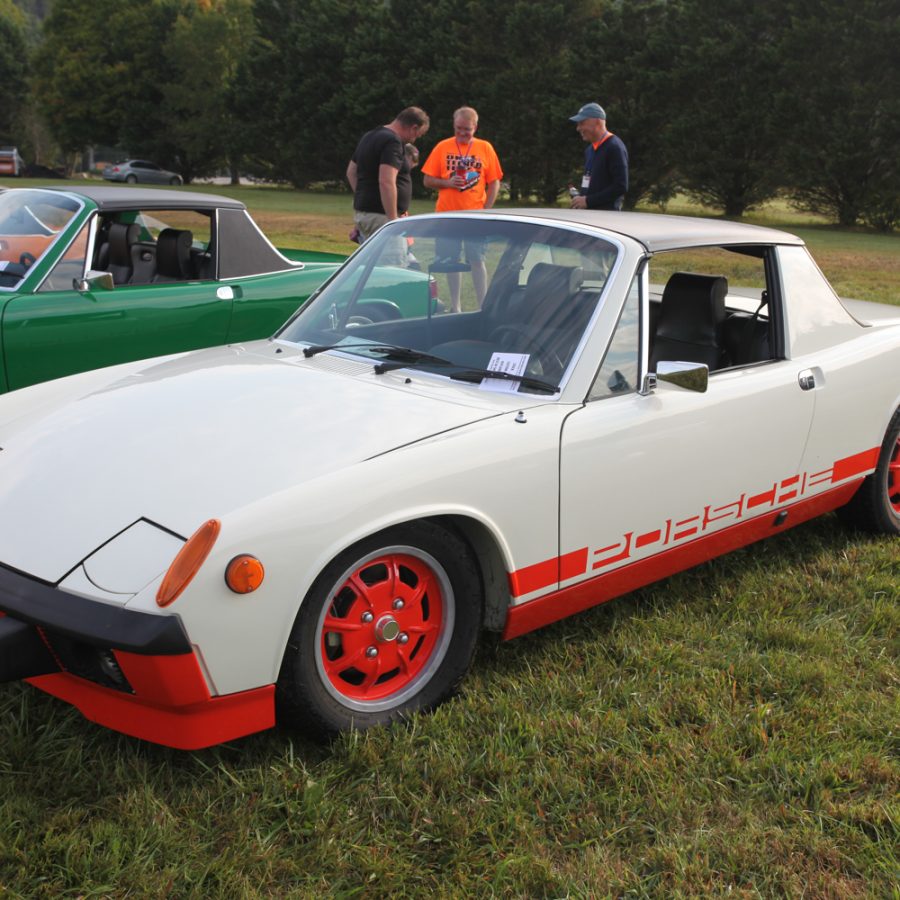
[[605, 178]]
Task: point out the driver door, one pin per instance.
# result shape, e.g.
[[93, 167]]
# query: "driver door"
[[644, 475]]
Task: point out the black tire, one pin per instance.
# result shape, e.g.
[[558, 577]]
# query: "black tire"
[[875, 507], [131, 179], [332, 681]]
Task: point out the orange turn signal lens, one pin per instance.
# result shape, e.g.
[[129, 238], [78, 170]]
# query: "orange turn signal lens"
[[244, 574], [186, 565]]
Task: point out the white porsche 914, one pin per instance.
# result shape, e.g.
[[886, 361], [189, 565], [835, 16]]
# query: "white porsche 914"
[[314, 529]]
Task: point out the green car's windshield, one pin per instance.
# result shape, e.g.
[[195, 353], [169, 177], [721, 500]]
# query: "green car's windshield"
[[473, 292], [30, 222]]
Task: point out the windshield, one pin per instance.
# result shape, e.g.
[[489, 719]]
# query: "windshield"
[[30, 221], [459, 295]]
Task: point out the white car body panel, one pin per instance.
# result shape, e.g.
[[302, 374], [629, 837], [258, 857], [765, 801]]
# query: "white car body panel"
[[209, 452], [627, 458]]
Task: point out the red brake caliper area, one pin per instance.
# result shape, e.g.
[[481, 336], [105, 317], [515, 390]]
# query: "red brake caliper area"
[[893, 479], [382, 627]]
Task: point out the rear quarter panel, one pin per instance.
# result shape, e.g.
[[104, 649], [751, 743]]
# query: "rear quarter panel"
[[857, 391]]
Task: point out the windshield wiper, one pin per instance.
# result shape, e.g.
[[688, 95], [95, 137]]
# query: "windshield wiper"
[[527, 380], [403, 354]]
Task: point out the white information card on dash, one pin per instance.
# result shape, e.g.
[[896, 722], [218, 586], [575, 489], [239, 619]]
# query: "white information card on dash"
[[513, 364]]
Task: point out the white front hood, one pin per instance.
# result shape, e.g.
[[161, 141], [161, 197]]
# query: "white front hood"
[[192, 438]]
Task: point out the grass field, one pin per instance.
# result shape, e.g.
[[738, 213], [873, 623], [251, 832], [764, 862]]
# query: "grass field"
[[730, 731]]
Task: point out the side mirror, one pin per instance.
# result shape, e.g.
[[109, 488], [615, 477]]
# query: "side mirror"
[[687, 375], [94, 280]]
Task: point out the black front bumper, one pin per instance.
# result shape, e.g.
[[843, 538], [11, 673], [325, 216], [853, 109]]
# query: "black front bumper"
[[56, 613]]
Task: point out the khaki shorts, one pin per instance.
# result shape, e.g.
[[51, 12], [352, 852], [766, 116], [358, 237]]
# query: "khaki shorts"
[[368, 222], [396, 253]]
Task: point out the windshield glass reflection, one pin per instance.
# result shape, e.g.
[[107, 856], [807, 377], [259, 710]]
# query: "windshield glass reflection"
[[30, 222], [458, 293]]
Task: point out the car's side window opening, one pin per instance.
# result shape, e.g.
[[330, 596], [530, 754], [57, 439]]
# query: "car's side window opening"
[[619, 372], [69, 266], [141, 247], [711, 305]]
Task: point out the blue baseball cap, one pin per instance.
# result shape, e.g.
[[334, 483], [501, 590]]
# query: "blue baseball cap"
[[588, 111]]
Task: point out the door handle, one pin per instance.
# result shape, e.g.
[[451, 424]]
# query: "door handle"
[[228, 292]]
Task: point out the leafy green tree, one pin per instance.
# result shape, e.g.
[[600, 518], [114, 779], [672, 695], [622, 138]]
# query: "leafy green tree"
[[99, 81], [724, 133], [635, 61], [203, 53], [843, 111], [305, 93], [13, 68]]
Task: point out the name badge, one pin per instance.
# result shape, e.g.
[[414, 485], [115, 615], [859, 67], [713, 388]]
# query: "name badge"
[[585, 181]]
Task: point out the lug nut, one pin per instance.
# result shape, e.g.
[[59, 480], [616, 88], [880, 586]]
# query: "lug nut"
[[403, 638], [367, 617], [398, 604], [372, 652]]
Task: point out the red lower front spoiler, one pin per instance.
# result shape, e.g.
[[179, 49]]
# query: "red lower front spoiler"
[[594, 591], [171, 704]]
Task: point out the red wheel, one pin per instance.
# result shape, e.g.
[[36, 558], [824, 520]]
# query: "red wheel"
[[386, 628], [389, 627], [893, 479], [876, 505]]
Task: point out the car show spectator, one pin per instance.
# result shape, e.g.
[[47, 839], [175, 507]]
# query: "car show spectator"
[[379, 171], [605, 178], [466, 173]]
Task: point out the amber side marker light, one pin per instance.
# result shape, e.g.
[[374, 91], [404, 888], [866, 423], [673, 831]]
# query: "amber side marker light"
[[186, 565], [244, 574]]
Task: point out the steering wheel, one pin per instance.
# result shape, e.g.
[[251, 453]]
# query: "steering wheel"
[[27, 259], [513, 337]]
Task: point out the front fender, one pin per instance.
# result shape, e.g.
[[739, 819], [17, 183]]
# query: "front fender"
[[469, 472]]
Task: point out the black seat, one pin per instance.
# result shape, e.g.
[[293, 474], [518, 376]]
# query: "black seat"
[[101, 253], [121, 239], [173, 255], [532, 321], [143, 257], [746, 339], [548, 293], [690, 320]]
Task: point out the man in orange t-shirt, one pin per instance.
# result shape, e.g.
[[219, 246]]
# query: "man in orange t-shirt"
[[466, 173]]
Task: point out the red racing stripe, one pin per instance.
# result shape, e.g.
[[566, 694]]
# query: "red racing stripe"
[[593, 591], [856, 464], [548, 573]]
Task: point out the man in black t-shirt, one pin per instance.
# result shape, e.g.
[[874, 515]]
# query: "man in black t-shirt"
[[378, 171]]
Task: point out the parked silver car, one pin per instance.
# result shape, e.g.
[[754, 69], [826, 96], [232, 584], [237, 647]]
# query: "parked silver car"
[[140, 171]]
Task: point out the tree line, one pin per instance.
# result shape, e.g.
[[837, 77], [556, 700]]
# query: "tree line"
[[728, 101]]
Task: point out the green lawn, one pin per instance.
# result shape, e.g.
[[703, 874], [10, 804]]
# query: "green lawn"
[[730, 731]]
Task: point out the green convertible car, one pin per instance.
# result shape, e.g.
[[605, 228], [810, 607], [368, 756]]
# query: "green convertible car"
[[96, 276]]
